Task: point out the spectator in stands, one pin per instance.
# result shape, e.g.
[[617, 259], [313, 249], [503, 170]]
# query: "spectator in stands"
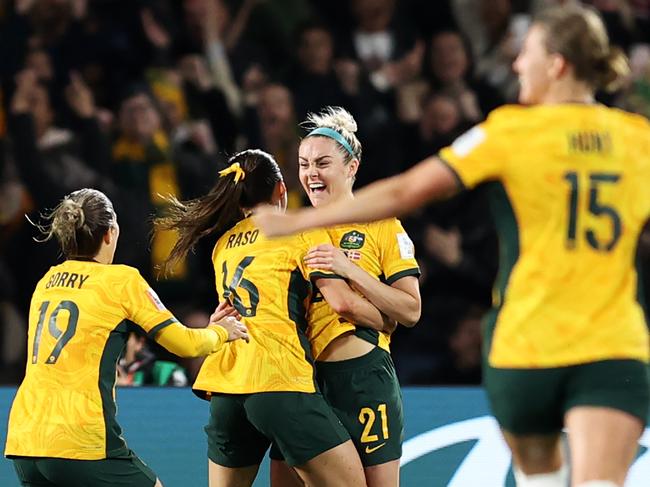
[[450, 72], [313, 79], [440, 123], [462, 363], [51, 161], [274, 128]]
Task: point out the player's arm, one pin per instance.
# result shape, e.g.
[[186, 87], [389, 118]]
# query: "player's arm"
[[191, 342], [429, 180], [399, 301], [223, 326], [197, 342], [353, 307]]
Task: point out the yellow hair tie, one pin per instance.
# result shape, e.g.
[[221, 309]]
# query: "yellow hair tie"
[[234, 168]]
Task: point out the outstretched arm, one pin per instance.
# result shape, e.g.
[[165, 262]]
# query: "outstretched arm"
[[223, 327], [429, 180]]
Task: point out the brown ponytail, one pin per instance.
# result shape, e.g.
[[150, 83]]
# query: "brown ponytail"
[[613, 69], [79, 223], [223, 206]]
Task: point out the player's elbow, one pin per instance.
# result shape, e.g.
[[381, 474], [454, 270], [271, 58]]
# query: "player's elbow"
[[412, 315], [341, 305], [410, 320]]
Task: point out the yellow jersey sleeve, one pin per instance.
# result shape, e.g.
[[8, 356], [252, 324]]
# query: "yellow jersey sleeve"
[[143, 306], [480, 154], [397, 252], [192, 342], [311, 239]]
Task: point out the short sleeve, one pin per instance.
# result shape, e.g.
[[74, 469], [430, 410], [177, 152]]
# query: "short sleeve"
[[479, 154], [397, 255], [311, 239], [143, 306]]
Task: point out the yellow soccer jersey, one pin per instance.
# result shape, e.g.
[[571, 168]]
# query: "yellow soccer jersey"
[[569, 194], [269, 284], [384, 250], [79, 320]]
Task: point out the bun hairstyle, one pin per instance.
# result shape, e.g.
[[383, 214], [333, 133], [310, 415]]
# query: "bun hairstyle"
[[342, 122], [79, 223], [578, 34], [249, 181]]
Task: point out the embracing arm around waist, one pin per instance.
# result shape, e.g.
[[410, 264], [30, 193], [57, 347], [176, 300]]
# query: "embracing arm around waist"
[[400, 301], [192, 342], [351, 306]]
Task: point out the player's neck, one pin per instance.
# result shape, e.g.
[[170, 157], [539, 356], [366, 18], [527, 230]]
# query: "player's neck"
[[104, 256], [569, 91], [347, 196]]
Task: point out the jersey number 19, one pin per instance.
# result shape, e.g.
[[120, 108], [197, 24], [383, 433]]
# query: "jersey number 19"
[[63, 336]]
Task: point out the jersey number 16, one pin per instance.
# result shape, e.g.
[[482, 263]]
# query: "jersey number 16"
[[239, 281]]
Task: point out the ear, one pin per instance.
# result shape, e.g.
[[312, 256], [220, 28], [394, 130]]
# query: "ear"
[[109, 235], [558, 66], [353, 167], [283, 199]]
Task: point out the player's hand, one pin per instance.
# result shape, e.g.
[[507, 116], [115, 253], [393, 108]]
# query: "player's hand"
[[26, 84], [224, 310], [155, 32], [389, 325], [79, 96], [235, 328], [328, 258], [273, 222]]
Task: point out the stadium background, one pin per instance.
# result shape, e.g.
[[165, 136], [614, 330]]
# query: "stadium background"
[[450, 440], [144, 97]]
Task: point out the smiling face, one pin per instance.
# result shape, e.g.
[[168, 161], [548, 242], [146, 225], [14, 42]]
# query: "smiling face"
[[323, 173]]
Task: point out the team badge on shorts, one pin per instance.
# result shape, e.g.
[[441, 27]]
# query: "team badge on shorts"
[[352, 240]]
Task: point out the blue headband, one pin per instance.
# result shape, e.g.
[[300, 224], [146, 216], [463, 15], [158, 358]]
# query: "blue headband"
[[332, 134]]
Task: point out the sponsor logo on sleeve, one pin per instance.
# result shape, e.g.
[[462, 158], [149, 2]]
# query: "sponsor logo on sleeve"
[[155, 300], [406, 247], [464, 144]]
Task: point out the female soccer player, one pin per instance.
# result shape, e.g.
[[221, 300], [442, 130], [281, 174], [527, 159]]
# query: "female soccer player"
[[566, 343], [354, 368], [62, 427], [265, 391]]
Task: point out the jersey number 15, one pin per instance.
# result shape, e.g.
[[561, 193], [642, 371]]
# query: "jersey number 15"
[[596, 208]]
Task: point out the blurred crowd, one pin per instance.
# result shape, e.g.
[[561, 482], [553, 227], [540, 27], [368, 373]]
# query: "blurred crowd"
[[141, 98]]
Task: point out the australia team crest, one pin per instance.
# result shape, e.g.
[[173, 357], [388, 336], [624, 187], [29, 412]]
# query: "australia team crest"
[[352, 240]]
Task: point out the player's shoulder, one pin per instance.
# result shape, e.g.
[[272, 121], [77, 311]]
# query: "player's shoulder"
[[633, 121], [314, 234], [501, 125], [385, 225], [120, 275], [509, 116], [123, 269]]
